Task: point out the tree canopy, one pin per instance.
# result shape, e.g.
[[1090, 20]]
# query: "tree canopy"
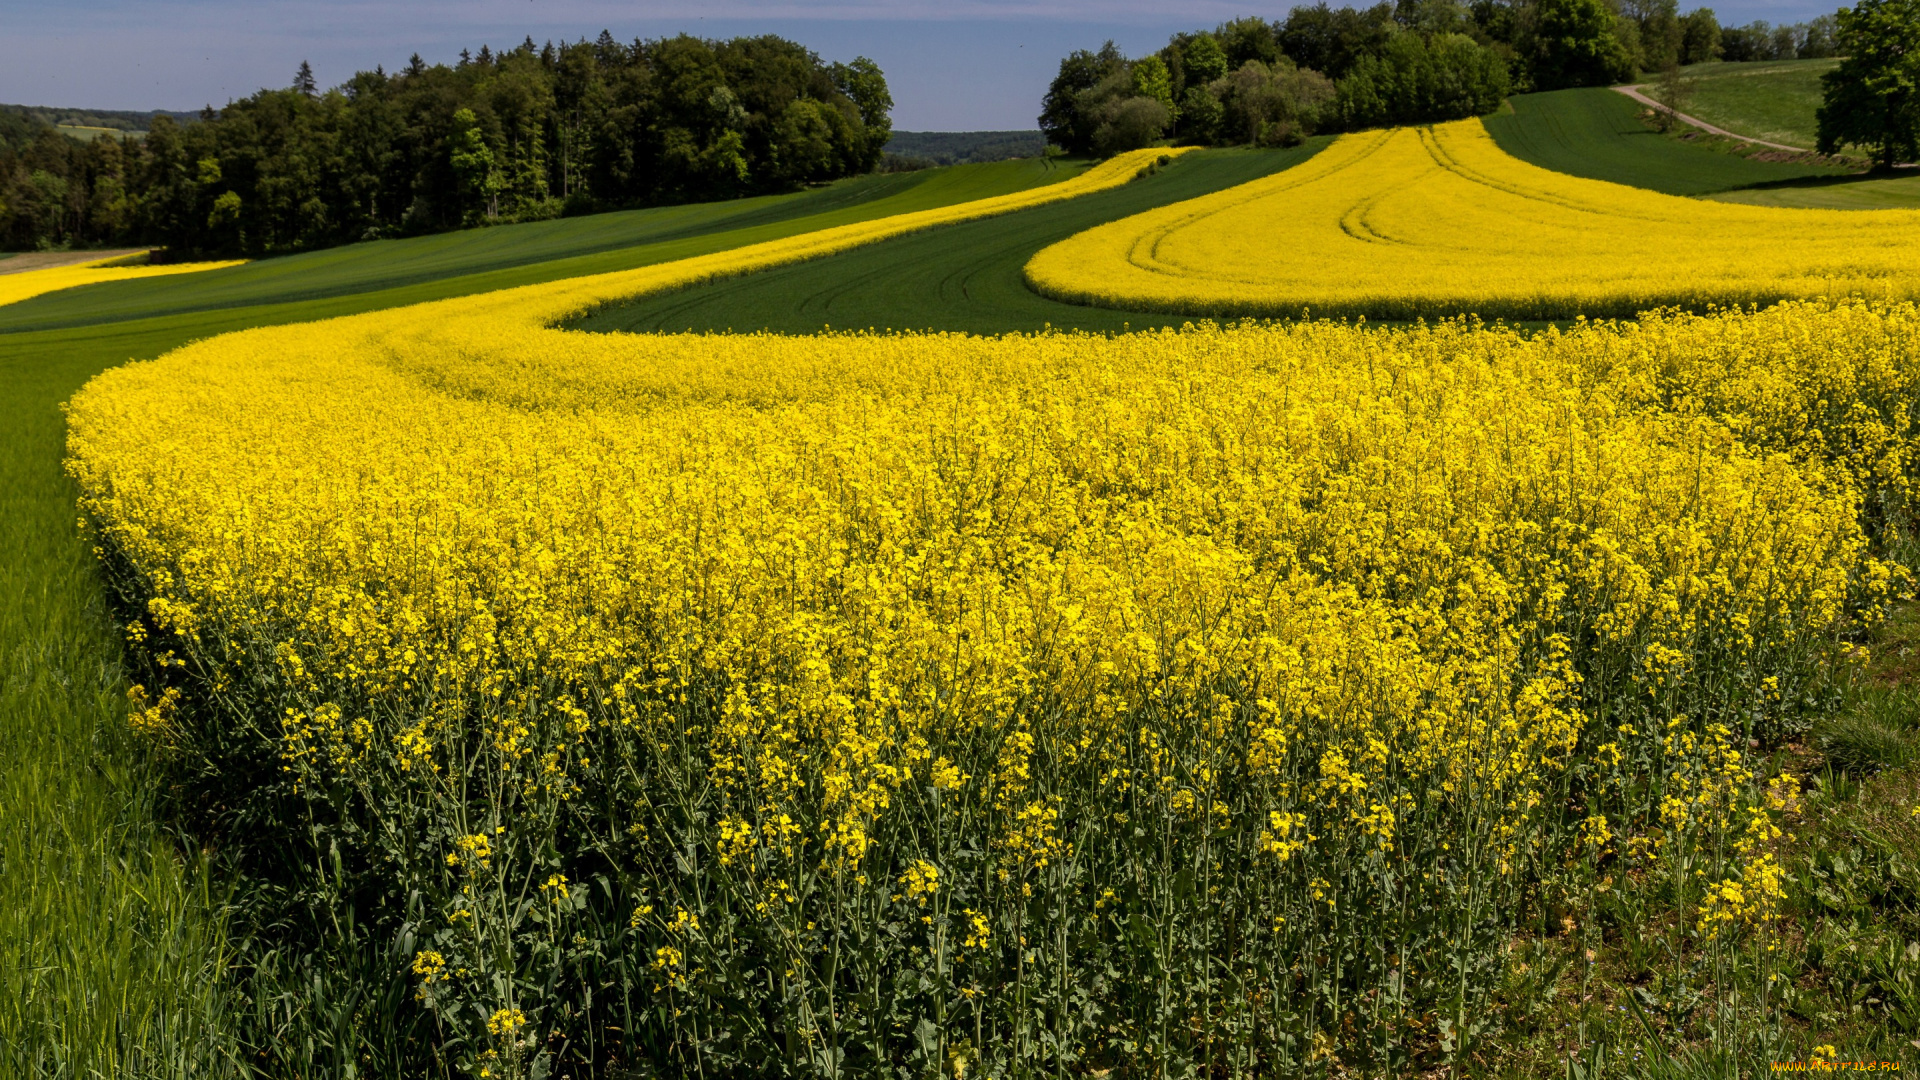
[[1274, 83], [1575, 46]]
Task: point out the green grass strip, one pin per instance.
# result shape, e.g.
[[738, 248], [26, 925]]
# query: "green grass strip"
[[960, 278], [111, 959], [1898, 192]]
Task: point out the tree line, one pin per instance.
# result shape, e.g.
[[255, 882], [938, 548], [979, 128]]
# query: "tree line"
[[1815, 39], [1326, 69], [520, 134]]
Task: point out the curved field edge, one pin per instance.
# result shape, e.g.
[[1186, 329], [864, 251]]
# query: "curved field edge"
[[1430, 264], [27, 284], [578, 297], [2, 346], [965, 277], [521, 313]]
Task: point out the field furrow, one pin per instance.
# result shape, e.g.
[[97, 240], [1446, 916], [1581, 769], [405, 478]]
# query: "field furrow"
[[1473, 231]]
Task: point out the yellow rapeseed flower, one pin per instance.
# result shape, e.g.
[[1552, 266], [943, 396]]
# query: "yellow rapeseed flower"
[[1418, 222]]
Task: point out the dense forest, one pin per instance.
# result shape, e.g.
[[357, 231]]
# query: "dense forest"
[[525, 133], [1322, 69]]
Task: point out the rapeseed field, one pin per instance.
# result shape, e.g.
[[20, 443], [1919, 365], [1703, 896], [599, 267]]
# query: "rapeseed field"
[[1439, 221], [1225, 699], [31, 283]]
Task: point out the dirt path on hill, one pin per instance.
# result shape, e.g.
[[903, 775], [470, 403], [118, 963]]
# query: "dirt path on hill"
[[1692, 121], [42, 260]]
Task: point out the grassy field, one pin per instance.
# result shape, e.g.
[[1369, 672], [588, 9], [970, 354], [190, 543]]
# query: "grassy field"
[[1773, 100], [1840, 193], [1598, 134], [111, 952], [965, 278], [88, 133]]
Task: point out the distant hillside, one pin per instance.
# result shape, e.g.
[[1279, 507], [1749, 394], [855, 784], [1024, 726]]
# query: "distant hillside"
[[1763, 99], [20, 125], [112, 119], [923, 148]]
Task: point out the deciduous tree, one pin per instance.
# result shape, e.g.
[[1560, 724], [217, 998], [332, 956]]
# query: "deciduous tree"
[[1576, 44], [1872, 98]]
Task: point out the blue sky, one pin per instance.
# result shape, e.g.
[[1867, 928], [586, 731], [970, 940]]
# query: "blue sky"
[[952, 64]]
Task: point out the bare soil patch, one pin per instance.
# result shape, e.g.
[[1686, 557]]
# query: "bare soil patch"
[[43, 260]]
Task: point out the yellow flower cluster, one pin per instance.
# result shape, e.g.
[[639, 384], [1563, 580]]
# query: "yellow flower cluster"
[[430, 966], [153, 720], [506, 1022], [30, 283], [1420, 222], [921, 881]]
